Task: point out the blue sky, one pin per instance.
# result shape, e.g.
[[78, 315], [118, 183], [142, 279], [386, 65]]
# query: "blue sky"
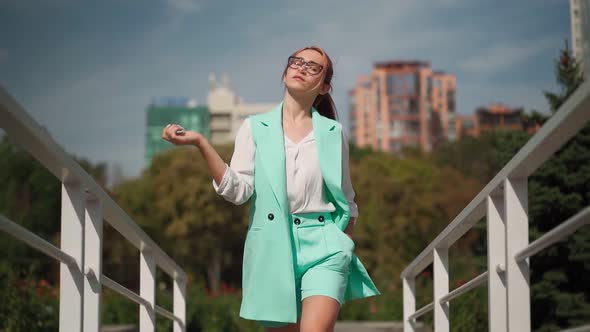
[[87, 69]]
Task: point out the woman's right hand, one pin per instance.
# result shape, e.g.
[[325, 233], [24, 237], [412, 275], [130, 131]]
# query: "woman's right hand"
[[169, 133]]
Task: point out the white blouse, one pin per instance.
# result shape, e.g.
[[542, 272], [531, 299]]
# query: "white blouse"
[[305, 189]]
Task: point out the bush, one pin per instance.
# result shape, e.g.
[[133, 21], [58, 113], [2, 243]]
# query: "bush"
[[26, 304]]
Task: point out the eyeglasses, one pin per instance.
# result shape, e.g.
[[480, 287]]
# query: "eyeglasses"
[[311, 67]]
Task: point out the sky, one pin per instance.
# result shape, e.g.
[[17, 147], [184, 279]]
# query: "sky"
[[87, 70]]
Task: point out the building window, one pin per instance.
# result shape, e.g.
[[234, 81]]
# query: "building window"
[[395, 129], [391, 83], [451, 100], [412, 86], [413, 106], [401, 84]]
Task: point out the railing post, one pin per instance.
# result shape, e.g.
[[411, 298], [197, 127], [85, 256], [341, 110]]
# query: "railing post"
[[517, 238], [147, 290], [441, 288], [71, 279], [92, 265], [179, 298], [496, 233], [409, 285]]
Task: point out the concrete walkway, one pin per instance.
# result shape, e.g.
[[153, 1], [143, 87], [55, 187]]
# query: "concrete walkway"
[[341, 326], [354, 326]]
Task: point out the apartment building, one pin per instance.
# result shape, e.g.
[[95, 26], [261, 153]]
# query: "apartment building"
[[403, 103], [227, 110]]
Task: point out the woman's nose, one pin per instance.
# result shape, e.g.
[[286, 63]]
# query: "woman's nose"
[[302, 70]]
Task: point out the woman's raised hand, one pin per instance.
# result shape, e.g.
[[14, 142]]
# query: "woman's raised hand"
[[176, 135]]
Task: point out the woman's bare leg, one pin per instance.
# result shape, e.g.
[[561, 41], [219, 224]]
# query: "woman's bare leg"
[[319, 314]]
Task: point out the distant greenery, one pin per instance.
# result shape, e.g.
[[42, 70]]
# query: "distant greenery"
[[558, 190], [560, 296]]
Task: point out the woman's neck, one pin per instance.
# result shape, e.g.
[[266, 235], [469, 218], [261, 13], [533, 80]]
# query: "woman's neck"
[[296, 110]]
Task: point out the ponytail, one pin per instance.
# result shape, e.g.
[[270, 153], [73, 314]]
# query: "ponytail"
[[325, 106]]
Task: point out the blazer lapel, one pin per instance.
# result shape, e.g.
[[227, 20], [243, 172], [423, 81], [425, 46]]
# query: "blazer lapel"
[[329, 146], [271, 147]]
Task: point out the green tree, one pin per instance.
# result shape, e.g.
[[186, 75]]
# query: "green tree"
[[474, 157], [404, 202], [174, 202], [569, 76], [558, 190], [26, 303], [30, 196]]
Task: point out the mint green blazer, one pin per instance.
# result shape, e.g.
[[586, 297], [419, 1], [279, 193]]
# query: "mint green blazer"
[[268, 277]]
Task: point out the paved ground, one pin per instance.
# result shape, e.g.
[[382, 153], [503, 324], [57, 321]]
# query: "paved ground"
[[342, 326], [352, 326]]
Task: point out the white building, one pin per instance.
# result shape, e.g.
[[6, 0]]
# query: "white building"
[[227, 110], [580, 25]]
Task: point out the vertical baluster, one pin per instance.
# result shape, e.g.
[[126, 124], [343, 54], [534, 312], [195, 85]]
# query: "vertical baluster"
[[93, 265], [517, 238], [71, 279], [496, 233], [179, 298], [441, 288], [409, 285], [147, 289]]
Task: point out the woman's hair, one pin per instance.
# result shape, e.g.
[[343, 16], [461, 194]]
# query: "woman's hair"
[[323, 103]]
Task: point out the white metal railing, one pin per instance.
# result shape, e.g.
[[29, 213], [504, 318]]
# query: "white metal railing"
[[84, 205], [504, 204]]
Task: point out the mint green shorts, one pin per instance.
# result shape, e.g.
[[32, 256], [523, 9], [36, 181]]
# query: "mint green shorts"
[[322, 256]]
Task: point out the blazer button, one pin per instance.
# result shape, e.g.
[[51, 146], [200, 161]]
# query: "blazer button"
[[321, 218], [297, 221], [271, 216]]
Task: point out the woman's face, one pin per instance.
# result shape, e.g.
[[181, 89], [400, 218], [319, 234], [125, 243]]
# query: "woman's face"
[[306, 79]]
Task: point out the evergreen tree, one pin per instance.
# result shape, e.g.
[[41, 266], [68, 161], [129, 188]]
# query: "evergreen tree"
[[569, 77], [558, 190]]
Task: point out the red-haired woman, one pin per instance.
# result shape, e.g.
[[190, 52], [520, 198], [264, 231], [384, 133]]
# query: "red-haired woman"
[[298, 263]]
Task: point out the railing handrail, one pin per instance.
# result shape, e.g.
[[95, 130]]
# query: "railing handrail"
[[20, 126], [84, 206], [562, 126], [35, 241]]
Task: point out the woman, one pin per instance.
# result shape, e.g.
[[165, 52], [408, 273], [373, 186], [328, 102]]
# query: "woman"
[[298, 264]]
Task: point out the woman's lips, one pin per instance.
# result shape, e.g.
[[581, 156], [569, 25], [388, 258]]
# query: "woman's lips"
[[298, 78]]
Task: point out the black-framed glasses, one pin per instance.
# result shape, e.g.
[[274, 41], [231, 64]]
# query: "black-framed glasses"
[[311, 67]]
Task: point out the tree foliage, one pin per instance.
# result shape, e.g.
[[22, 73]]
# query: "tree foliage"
[[175, 203], [569, 76], [558, 190], [560, 296]]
